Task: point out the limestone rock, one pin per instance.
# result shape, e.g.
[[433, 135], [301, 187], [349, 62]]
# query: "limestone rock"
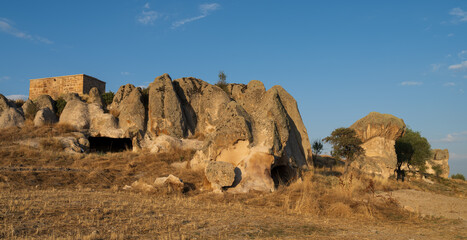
[[171, 182], [9, 115], [131, 110], [45, 101], [164, 112], [71, 96], [379, 133], [441, 159], [171, 179], [379, 125], [220, 174], [103, 124], [76, 113], [45, 116], [95, 97], [122, 93], [29, 109]]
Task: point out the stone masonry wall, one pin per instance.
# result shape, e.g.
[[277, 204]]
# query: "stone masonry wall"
[[56, 86]]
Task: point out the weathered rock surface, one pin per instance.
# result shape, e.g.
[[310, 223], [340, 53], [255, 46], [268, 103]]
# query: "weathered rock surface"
[[45, 116], [95, 97], [9, 115], [45, 101], [128, 106], [220, 174], [164, 112], [76, 113], [29, 109], [441, 159], [379, 133], [252, 130], [71, 96]]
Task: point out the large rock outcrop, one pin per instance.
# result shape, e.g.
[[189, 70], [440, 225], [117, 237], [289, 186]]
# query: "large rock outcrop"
[[128, 106], [379, 133], [256, 131], [9, 115], [439, 161], [164, 111]]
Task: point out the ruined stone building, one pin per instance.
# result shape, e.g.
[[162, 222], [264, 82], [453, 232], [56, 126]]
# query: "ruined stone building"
[[57, 86]]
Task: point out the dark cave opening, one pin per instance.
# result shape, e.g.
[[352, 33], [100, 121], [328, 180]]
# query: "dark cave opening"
[[106, 144], [282, 175]]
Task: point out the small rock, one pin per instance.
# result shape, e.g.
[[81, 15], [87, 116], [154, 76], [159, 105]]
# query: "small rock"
[[220, 173]]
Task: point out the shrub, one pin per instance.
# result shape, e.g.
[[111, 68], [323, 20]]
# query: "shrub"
[[458, 176], [108, 97], [60, 104], [30, 112], [222, 83], [19, 102]]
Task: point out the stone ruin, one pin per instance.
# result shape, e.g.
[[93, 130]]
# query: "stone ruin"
[[57, 86]]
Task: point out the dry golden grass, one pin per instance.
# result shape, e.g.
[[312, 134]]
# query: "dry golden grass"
[[48, 194]]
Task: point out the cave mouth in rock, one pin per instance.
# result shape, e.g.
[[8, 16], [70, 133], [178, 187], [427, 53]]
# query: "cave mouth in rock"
[[106, 144], [282, 175]]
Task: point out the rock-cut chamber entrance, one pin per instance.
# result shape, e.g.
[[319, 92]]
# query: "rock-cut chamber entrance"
[[106, 144]]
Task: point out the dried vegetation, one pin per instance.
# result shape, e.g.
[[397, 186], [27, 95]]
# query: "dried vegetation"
[[47, 194]]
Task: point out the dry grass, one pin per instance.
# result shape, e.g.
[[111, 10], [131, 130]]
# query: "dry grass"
[[47, 194]]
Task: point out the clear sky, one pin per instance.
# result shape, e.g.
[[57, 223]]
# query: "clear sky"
[[339, 59]]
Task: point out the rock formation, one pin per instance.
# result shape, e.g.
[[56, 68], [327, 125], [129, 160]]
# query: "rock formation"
[[45, 116], [9, 115], [379, 133], [252, 130], [440, 160]]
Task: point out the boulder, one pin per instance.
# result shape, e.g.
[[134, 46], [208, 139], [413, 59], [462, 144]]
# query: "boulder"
[[9, 115], [169, 180], [439, 160], [220, 174], [131, 110], [378, 133], [103, 124], [45, 101], [45, 116], [164, 111], [71, 96], [76, 114], [172, 183], [95, 97], [122, 93], [29, 109]]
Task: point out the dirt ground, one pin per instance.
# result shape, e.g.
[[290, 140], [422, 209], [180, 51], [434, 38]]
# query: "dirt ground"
[[427, 203]]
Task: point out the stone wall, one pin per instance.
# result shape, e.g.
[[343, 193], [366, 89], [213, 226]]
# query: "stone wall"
[[56, 86]]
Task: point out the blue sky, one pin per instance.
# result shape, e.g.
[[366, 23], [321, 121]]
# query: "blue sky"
[[339, 59]]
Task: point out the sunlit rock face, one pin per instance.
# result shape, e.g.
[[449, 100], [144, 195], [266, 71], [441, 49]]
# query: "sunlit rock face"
[[379, 133], [253, 129], [440, 158]]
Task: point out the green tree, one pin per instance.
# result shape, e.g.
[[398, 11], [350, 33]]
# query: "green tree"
[[346, 144], [317, 147], [413, 150], [222, 82]]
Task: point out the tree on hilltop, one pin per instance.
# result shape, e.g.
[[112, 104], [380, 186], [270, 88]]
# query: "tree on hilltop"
[[222, 82], [346, 144]]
